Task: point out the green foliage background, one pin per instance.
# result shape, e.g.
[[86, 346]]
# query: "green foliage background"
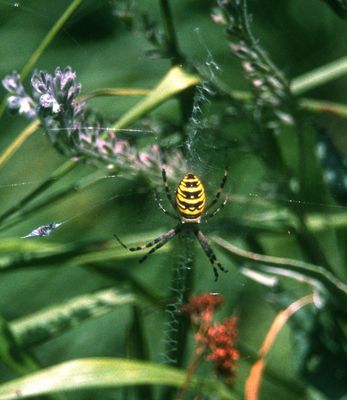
[[299, 37]]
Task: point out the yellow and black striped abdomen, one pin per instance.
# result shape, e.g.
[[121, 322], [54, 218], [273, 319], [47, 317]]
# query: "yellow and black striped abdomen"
[[190, 197]]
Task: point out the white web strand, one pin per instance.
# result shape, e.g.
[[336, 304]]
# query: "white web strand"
[[24, 183], [108, 129], [47, 229], [208, 69]]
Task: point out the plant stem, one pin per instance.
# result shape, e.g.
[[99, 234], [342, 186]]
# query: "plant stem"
[[322, 106], [113, 92], [173, 83], [180, 289], [319, 76], [312, 105], [15, 145], [171, 38], [290, 268], [186, 98]]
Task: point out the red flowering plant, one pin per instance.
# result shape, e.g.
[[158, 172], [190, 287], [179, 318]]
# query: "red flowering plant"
[[215, 341]]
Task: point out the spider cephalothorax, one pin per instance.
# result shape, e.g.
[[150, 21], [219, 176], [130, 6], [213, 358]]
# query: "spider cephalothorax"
[[190, 202]]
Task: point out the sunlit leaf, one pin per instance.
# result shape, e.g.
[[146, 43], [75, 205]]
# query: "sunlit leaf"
[[93, 373], [175, 81]]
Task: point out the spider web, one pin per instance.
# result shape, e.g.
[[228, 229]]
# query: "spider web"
[[252, 198]]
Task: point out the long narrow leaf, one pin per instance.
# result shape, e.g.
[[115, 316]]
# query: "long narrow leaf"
[[93, 373], [315, 275], [12, 353], [175, 81], [43, 325]]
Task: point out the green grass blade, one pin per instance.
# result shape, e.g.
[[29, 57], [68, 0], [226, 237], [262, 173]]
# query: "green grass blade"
[[12, 353], [89, 254], [99, 373], [174, 82], [113, 92], [52, 321], [312, 274], [20, 139], [15, 356], [319, 76]]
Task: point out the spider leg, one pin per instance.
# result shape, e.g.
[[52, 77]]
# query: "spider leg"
[[219, 191], [162, 240], [157, 243], [142, 247], [210, 254], [216, 211], [164, 210], [167, 189]]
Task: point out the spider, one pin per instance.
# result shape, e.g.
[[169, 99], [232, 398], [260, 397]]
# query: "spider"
[[190, 203]]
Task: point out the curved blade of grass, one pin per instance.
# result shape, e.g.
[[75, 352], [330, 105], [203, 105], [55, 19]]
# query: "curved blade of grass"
[[51, 254], [45, 43], [296, 269], [255, 377], [15, 145], [52, 321], [98, 373], [323, 106], [12, 353], [175, 81]]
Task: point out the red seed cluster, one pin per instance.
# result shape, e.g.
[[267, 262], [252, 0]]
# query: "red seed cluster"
[[220, 340], [202, 301], [215, 341]]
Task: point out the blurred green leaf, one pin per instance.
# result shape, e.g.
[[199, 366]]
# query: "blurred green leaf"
[[12, 353], [48, 323], [100, 373], [339, 7], [334, 165]]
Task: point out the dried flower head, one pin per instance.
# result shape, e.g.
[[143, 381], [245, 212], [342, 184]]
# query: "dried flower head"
[[201, 308], [219, 341], [214, 341]]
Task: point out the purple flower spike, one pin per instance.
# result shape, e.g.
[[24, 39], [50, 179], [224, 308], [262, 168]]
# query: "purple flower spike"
[[76, 131], [19, 102]]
